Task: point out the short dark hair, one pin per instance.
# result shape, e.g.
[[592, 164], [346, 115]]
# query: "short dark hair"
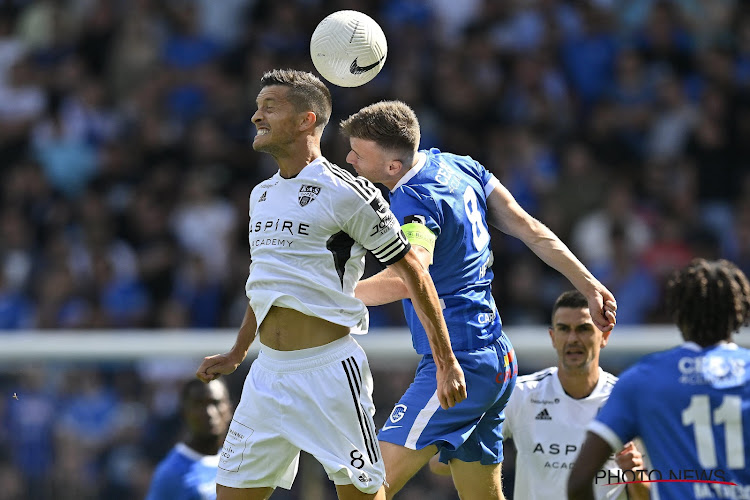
[[708, 300], [191, 384], [306, 92], [572, 299], [391, 125]]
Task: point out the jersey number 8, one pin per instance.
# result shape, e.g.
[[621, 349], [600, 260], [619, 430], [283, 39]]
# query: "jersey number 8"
[[479, 232]]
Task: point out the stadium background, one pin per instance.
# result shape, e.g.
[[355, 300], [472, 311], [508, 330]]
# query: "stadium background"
[[624, 125]]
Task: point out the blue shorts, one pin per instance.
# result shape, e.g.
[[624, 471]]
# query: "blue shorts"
[[471, 431]]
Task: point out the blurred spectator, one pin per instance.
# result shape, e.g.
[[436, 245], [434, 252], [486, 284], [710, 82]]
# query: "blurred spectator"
[[22, 101], [580, 187], [673, 121], [663, 41], [636, 290], [199, 292], [203, 222], [12, 48], [591, 235], [68, 160], [589, 57], [632, 95], [31, 425], [16, 311]]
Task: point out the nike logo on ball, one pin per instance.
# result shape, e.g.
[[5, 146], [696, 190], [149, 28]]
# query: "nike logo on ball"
[[355, 69]]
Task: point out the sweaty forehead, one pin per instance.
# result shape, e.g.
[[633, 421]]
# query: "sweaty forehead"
[[572, 316], [273, 93]]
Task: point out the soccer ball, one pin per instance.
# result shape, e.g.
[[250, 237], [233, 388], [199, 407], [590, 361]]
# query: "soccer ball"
[[348, 48]]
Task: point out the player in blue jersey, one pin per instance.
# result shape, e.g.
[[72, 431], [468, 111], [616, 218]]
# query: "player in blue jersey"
[[690, 405], [188, 472], [444, 203]]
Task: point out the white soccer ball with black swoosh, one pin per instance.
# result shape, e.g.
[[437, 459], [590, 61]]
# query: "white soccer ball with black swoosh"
[[348, 48]]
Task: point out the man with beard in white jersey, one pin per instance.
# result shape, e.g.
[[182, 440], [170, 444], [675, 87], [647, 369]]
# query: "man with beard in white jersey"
[[548, 411], [310, 388]]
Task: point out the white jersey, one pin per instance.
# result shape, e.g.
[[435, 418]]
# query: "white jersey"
[[308, 239], [548, 428]]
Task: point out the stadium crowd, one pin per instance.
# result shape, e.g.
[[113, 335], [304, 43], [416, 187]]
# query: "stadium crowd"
[[624, 125]]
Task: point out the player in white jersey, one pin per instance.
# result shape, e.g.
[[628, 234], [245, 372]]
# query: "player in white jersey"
[[310, 388], [548, 411]]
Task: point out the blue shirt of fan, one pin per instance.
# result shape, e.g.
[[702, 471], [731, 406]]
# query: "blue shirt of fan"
[[691, 407], [184, 474], [447, 194]]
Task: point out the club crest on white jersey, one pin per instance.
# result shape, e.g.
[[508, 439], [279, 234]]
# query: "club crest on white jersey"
[[307, 194]]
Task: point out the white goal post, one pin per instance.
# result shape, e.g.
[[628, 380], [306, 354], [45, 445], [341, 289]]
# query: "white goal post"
[[385, 347]]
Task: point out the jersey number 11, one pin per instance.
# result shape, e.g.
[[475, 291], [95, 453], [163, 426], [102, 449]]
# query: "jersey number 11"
[[729, 413]]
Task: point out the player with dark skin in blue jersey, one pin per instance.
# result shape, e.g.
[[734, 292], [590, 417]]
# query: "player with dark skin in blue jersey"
[[690, 405], [188, 472]]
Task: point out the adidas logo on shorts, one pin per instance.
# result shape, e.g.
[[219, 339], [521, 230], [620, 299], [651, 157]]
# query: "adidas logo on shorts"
[[543, 415], [364, 478]]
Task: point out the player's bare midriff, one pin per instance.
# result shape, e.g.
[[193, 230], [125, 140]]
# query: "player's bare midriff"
[[285, 329]]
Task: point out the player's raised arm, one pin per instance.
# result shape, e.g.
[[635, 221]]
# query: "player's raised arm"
[[451, 385], [504, 213]]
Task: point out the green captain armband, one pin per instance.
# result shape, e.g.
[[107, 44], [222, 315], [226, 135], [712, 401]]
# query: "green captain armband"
[[419, 234]]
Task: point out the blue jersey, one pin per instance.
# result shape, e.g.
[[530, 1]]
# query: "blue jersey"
[[184, 474], [448, 194], [691, 407]]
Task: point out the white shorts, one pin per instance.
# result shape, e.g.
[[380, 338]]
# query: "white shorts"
[[317, 400]]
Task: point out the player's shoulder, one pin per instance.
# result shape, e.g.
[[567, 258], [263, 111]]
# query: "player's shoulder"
[[436, 156], [656, 364], [464, 163], [609, 382], [172, 467], [732, 349], [663, 359], [264, 185], [532, 381], [609, 379], [343, 183]]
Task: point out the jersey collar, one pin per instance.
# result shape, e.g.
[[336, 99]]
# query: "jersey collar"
[[596, 391], [695, 347], [421, 160], [317, 161]]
